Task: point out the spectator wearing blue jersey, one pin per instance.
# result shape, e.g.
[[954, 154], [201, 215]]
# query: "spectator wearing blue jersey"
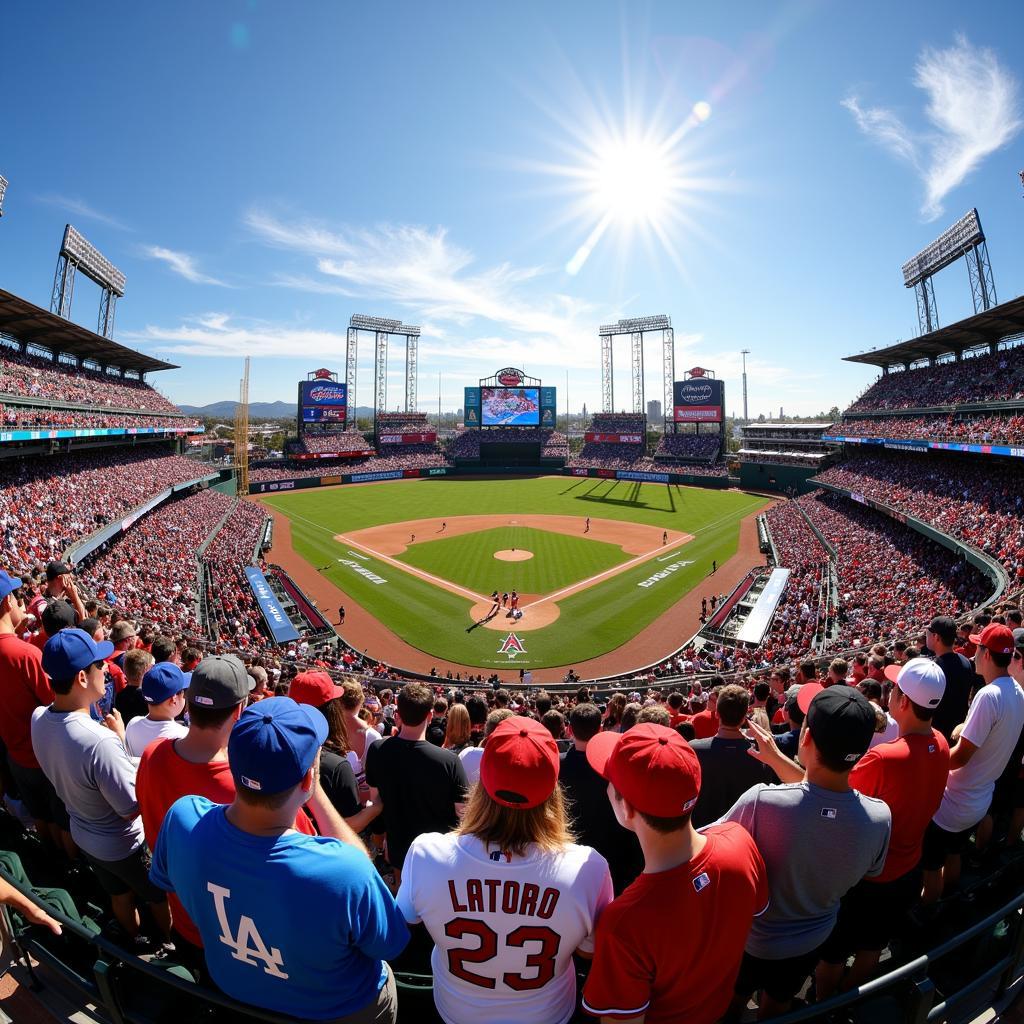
[[291, 923]]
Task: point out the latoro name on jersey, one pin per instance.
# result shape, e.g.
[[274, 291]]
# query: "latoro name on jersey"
[[494, 896]]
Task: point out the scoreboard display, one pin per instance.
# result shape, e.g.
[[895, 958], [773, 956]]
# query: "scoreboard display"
[[322, 401], [698, 400]]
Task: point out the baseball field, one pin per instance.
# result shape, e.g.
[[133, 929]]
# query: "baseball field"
[[422, 559]]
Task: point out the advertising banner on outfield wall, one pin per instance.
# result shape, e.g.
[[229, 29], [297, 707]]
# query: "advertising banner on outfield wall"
[[364, 478], [273, 614], [698, 400], [647, 478]]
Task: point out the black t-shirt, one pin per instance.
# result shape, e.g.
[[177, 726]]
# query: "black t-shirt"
[[131, 703], [952, 709], [594, 821], [727, 771], [419, 785], [339, 783]]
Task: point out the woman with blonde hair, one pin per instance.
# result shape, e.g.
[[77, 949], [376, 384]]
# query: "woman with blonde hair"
[[508, 896], [456, 734]]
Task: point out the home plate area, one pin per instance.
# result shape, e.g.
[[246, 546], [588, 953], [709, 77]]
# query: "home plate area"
[[639, 542]]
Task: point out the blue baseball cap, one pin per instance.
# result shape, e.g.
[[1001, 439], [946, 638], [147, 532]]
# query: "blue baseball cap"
[[162, 682], [68, 652], [274, 743], [8, 584]]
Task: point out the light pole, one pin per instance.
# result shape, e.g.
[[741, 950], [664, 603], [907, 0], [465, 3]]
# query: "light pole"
[[744, 353]]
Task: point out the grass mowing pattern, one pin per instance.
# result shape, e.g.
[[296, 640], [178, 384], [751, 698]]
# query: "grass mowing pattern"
[[591, 623], [558, 560]]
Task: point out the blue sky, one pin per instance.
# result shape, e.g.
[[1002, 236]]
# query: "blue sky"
[[261, 171]]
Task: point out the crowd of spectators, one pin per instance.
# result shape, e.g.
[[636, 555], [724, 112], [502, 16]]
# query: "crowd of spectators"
[[14, 416], [317, 442], [980, 503], [618, 423], [403, 423], [37, 377], [149, 571], [46, 504], [984, 378], [1004, 428], [466, 443], [890, 577], [592, 805], [689, 447]]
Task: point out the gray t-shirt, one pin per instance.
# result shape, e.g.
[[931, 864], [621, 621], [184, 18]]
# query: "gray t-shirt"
[[95, 778], [816, 845]]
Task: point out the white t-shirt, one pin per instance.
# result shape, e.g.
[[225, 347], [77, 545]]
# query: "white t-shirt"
[[356, 761], [471, 758], [140, 732], [993, 725], [527, 913], [892, 732]]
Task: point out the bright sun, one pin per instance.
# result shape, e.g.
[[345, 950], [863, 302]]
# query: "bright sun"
[[632, 182]]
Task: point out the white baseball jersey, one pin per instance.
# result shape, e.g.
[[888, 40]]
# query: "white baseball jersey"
[[504, 927]]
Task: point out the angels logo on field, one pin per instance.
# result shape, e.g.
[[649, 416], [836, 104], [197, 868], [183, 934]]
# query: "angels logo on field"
[[512, 646]]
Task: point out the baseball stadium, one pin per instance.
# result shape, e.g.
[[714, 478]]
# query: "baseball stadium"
[[436, 716]]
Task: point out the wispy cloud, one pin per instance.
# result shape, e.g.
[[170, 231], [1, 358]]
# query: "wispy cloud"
[[182, 264], [222, 334], [421, 270], [972, 108], [80, 208]]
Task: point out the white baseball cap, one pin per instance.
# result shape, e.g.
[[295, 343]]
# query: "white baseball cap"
[[922, 681]]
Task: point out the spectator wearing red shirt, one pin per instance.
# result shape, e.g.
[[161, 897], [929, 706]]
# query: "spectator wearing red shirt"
[[645, 968], [909, 774], [24, 687], [706, 723]]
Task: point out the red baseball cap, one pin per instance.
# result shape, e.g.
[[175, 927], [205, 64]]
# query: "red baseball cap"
[[996, 638], [313, 688], [520, 764], [807, 693], [652, 766]]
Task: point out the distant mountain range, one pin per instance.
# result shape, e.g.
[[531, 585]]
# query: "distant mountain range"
[[257, 410]]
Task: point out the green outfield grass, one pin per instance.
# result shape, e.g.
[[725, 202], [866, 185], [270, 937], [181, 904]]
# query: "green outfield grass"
[[591, 623], [558, 559]]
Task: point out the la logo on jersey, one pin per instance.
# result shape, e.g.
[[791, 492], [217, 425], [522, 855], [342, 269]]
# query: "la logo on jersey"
[[512, 646], [248, 944]]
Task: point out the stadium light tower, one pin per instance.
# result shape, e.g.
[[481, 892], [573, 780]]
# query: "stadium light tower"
[[744, 353]]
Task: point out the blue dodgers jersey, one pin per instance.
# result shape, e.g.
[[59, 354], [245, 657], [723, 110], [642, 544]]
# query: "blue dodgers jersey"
[[295, 924]]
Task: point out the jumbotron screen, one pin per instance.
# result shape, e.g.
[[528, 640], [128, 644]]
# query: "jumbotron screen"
[[510, 407]]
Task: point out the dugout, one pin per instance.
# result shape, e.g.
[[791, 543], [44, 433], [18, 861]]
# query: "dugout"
[[509, 453]]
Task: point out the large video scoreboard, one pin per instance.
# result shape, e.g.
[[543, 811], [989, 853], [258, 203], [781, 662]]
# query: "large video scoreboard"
[[510, 400], [322, 401], [698, 399]]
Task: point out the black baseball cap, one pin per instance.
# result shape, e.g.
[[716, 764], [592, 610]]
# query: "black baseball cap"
[[219, 681], [55, 569], [841, 721], [57, 615]]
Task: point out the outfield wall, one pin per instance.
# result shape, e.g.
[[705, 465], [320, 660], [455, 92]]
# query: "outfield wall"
[[331, 480]]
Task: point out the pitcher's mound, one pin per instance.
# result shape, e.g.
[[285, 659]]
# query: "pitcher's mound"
[[513, 555]]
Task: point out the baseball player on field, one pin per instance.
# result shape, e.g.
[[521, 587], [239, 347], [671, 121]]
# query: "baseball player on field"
[[508, 897]]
